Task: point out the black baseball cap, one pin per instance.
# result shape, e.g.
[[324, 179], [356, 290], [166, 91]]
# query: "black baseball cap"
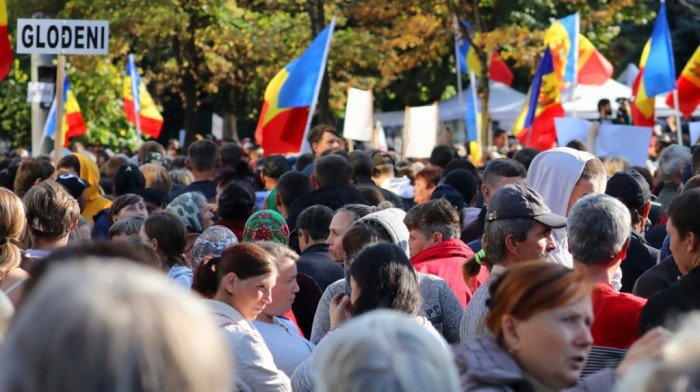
[[630, 188], [380, 158], [518, 201], [73, 184]]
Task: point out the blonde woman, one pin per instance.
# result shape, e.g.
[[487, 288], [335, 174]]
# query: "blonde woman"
[[12, 221]]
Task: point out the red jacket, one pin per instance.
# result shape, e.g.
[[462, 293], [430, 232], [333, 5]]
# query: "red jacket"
[[445, 260], [615, 317]]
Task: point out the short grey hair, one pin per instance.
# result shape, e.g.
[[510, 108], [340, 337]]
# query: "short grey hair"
[[385, 350], [598, 227], [495, 233], [671, 159]]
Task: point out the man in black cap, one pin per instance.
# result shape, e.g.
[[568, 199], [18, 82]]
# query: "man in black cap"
[[75, 186], [518, 227], [632, 190]]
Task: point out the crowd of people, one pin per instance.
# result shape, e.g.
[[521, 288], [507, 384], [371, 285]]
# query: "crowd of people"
[[223, 270]]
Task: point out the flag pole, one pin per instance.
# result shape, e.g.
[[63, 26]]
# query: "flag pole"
[[136, 95], [459, 78], [58, 130], [679, 128], [305, 146], [575, 46], [472, 91]]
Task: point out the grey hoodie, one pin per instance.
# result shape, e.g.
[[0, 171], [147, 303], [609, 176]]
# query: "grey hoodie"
[[440, 305]]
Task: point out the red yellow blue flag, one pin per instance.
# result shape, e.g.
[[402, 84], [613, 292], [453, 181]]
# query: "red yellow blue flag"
[[535, 124], [137, 101], [688, 86], [290, 97], [467, 60], [73, 123]]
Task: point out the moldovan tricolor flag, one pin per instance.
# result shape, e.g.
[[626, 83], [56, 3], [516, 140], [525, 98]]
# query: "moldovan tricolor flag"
[[473, 122], [657, 73], [688, 86], [575, 60], [73, 123], [535, 124], [498, 69], [150, 120], [5, 48], [290, 98]]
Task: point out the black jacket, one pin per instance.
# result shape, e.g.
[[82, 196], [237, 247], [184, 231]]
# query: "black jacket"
[[640, 257], [316, 262], [665, 307]]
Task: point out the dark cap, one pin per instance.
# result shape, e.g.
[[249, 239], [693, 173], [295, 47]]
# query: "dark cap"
[[316, 220], [450, 194], [380, 158], [630, 187], [73, 184], [274, 166], [517, 201]]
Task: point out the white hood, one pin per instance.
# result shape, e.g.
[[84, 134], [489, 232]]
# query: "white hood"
[[400, 186], [554, 174]]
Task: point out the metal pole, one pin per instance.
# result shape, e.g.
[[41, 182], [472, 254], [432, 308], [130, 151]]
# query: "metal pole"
[[58, 133], [679, 129]]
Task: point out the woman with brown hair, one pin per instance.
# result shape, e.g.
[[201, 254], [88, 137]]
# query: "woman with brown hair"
[[540, 320], [238, 286], [425, 183], [167, 235], [12, 221]]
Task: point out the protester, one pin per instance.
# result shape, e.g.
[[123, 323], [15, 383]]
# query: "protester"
[[167, 235], [497, 174], [211, 242], [154, 199], [382, 351], [562, 176], [51, 215], [274, 166], [313, 228], [235, 205], [12, 221], [32, 171], [128, 179], [203, 161], [440, 305], [194, 212], [266, 225], [666, 306], [632, 190], [672, 162], [83, 167], [281, 335], [238, 286], [322, 138], [539, 320], [126, 206], [291, 186], [518, 228], [342, 220], [125, 328], [156, 176], [384, 176], [76, 186], [599, 238], [435, 247], [381, 277], [425, 183], [126, 228]]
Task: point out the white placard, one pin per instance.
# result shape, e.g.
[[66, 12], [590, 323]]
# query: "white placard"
[[57, 36], [694, 132], [217, 126], [39, 92], [421, 131], [570, 128], [627, 141], [358, 115]]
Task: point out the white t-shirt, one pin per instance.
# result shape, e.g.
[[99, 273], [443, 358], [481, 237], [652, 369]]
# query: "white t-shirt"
[[287, 346]]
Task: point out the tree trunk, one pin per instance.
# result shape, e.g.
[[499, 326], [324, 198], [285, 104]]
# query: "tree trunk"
[[484, 93], [189, 78]]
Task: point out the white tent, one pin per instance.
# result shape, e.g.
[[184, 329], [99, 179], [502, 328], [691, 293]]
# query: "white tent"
[[585, 100], [505, 104]]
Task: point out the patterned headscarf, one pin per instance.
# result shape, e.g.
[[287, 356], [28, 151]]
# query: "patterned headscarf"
[[188, 207], [266, 225], [212, 242]]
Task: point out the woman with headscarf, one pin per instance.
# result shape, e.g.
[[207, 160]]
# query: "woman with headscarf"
[[266, 225], [192, 209]]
